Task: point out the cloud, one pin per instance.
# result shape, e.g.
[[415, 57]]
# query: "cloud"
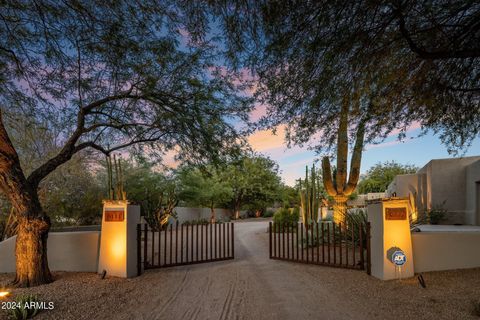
[[264, 140], [414, 126], [384, 144]]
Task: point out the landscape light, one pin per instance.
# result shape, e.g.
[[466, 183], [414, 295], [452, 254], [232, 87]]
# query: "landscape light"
[[4, 294]]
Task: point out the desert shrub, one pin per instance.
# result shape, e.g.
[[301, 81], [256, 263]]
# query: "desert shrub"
[[355, 221], [26, 307], [268, 213], [197, 221], [436, 215], [285, 216], [224, 219]]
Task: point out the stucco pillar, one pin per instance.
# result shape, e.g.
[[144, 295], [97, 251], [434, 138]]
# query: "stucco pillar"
[[118, 239], [390, 233]]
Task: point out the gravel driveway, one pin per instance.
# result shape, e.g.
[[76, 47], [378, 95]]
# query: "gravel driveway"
[[254, 287]]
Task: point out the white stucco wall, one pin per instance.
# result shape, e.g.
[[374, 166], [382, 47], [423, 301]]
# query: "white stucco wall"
[[67, 251], [189, 214], [472, 194], [449, 188], [435, 251]]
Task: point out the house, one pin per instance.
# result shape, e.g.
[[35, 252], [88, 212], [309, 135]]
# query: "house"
[[450, 184], [360, 201]]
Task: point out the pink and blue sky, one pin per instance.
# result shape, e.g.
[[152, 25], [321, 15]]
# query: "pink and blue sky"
[[412, 150]]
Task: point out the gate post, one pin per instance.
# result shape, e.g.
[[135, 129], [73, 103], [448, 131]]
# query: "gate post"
[[139, 249], [391, 243], [118, 240], [270, 239]]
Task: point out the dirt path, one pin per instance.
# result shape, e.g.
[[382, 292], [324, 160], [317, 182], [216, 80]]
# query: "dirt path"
[[250, 287], [255, 287]]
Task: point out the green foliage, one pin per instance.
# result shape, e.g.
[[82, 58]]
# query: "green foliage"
[[268, 213], [289, 196], [203, 188], [285, 216], [20, 312], [202, 221], [153, 190], [383, 58], [73, 194], [378, 177], [436, 215], [254, 182]]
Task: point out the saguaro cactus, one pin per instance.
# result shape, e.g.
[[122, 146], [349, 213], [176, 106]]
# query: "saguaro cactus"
[[341, 189], [310, 196], [115, 184]]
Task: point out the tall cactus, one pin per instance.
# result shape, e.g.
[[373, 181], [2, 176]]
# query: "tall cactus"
[[115, 184], [310, 196], [341, 189]]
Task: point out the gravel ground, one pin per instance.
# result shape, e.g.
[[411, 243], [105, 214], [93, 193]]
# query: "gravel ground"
[[254, 287]]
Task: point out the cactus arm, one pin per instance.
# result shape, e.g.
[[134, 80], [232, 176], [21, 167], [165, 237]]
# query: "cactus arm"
[[327, 177], [342, 147], [356, 159]]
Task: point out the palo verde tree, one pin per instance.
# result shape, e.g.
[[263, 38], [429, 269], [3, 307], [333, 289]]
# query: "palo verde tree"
[[106, 76]]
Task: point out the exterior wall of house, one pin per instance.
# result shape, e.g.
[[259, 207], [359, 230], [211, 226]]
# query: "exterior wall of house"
[[449, 187], [449, 184], [472, 194]]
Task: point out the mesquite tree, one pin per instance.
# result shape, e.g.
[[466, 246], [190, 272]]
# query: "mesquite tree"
[[104, 76], [399, 62]]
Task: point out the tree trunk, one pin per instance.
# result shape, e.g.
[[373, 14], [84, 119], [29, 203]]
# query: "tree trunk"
[[212, 215], [33, 225], [31, 253], [340, 208], [237, 214]]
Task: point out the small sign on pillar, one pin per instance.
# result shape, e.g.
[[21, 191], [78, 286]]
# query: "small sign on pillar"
[[118, 242], [391, 242]]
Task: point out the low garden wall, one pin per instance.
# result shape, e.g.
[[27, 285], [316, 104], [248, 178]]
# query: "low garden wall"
[[67, 251], [190, 214], [443, 250]]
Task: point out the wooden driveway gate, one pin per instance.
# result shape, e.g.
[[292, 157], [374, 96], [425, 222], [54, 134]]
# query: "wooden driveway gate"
[[183, 244], [322, 243]]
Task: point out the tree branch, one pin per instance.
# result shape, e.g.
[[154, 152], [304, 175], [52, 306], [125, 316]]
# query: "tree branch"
[[433, 55]]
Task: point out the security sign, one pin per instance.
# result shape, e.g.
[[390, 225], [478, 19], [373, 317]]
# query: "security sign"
[[399, 258]]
